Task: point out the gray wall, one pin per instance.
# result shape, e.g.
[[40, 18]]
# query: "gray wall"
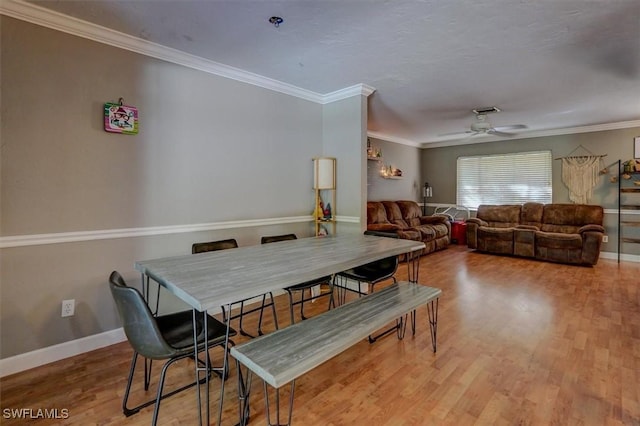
[[209, 150], [403, 157], [439, 167]]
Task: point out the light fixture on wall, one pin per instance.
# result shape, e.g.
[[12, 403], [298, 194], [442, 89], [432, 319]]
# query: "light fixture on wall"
[[427, 192], [324, 173], [324, 179]]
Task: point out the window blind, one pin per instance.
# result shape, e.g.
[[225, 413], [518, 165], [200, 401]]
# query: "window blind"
[[504, 179]]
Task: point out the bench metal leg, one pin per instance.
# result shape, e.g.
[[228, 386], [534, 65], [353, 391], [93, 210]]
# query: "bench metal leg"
[[277, 403], [432, 310], [244, 391], [400, 328]]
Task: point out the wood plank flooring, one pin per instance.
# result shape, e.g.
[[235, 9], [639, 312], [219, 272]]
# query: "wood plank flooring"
[[520, 342]]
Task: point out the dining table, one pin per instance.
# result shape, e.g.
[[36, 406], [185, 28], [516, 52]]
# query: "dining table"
[[211, 281]]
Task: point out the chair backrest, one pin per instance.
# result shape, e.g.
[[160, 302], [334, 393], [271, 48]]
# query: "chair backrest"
[[379, 270], [214, 246], [138, 322], [276, 238]]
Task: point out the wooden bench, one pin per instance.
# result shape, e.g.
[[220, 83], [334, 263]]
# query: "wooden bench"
[[280, 357]]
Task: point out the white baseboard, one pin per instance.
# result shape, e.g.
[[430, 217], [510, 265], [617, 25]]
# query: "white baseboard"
[[623, 257], [26, 361]]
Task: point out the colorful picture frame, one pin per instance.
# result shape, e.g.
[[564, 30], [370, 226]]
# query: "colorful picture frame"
[[120, 118]]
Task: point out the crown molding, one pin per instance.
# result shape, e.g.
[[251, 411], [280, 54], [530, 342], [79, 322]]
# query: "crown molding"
[[357, 90], [20, 9], [391, 138], [536, 134]]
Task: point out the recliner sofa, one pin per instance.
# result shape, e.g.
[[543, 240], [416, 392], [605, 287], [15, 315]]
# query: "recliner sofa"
[[404, 219], [564, 233]]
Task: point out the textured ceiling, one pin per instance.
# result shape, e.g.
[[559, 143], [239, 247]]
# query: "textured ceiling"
[[548, 64]]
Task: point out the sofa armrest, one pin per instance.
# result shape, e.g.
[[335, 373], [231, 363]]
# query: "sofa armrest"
[[591, 228], [476, 221], [591, 244], [383, 227], [428, 220], [472, 231], [381, 234]]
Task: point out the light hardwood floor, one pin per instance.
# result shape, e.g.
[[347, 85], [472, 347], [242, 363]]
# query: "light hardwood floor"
[[519, 342]]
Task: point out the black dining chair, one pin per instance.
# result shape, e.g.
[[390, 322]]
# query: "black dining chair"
[[229, 244], [163, 337], [371, 273], [302, 287]]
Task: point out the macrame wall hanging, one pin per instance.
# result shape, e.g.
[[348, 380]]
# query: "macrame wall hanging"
[[580, 173]]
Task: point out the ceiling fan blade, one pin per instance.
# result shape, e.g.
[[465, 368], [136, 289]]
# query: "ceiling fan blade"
[[499, 133], [511, 127], [454, 133]]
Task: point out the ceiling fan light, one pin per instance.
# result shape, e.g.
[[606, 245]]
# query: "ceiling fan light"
[[480, 126]]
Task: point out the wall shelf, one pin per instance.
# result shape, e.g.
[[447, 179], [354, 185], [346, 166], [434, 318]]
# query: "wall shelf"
[[628, 199], [391, 177]]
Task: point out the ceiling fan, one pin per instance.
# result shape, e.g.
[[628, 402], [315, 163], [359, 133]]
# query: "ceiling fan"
[[482, 126]]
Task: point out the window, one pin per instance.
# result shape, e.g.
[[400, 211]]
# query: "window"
[[504, 179]]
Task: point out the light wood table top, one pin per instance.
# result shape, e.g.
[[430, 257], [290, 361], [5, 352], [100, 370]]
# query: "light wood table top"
[[207, 281]]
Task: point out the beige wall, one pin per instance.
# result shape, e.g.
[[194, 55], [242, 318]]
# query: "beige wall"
[[209, 150]]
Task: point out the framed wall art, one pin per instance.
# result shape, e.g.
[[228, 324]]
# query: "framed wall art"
[[119, 118], [636, 148]]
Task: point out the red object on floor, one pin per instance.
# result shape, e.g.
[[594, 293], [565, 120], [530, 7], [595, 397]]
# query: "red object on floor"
[[459, 232]]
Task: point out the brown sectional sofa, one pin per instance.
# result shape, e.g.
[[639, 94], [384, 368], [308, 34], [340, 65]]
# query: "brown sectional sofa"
[[565, 233], [404, 219]]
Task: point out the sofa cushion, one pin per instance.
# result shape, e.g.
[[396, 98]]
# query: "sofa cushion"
[[376, 213], [495, 240], [440, 229], [410, 234], [569, 218], [531, 214], [427, 232], [503, 216], [377, 218], [411, 212], [558, 240], [394, 215], [558, 247]]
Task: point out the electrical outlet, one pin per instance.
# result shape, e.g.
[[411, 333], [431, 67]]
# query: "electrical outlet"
[[605, 239], [68, 307]]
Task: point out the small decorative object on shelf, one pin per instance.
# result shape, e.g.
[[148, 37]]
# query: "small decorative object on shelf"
[[629, 166], [327, 212], [373, 153], [388, 172], [319, 208]]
